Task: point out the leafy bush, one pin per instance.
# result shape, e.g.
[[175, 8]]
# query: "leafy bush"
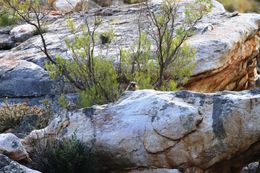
[[93, 76], [12, 114], [174, 59], [64, 156], [7, 18], [107, 37]]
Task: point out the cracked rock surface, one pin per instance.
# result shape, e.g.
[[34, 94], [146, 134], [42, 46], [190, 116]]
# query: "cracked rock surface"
[[185, 130]]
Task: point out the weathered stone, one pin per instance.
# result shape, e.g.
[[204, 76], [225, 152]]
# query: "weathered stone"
[[11, 146], [6, 42], [24, 79], [70, 5], [9, 166], [251, 168], [188, 131], [22, 32]]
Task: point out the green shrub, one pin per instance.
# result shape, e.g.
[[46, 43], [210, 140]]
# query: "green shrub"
[[63, 102], [94, 76], [63, 156], [107, 37], [174, 59], [7, 18]]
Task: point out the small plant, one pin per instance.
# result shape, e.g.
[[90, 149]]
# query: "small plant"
[[63, 102], [107, 37], [63, 156], [173, 62], [7, 18], [12, 114]]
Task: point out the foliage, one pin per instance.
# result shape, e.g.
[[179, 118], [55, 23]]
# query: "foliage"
[[12, 114], [174, 58], [138, 65], [63, 102], [63, 156], [7, 18], [107, 37], [94, 76]]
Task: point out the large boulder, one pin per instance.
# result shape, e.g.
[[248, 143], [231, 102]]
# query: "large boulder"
[[21, 78], [11, 146], [188, 131], [9, 166]]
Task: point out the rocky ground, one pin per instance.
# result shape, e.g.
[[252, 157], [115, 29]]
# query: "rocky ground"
[[145, 131], [227, 47]]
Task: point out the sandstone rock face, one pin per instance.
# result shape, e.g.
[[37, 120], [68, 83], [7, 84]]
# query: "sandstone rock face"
[[11, 146], [9, 166], [188, 131], [227, 46], [231, 59]]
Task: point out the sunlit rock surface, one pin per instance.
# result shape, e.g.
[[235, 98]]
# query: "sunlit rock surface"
[[227, 45], [184, 130]]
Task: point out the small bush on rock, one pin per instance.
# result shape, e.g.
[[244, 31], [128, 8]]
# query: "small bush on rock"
[[11, 115], [107, 37], [63, 156], [173, 62], [7, 18], [93, 76]]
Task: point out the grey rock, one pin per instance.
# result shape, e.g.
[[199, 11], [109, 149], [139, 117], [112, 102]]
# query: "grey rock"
[[9, 166], [24, 79], [6, 42], [251, 168], [184, 130], [21, 33], [11, 146], [6, 30]]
